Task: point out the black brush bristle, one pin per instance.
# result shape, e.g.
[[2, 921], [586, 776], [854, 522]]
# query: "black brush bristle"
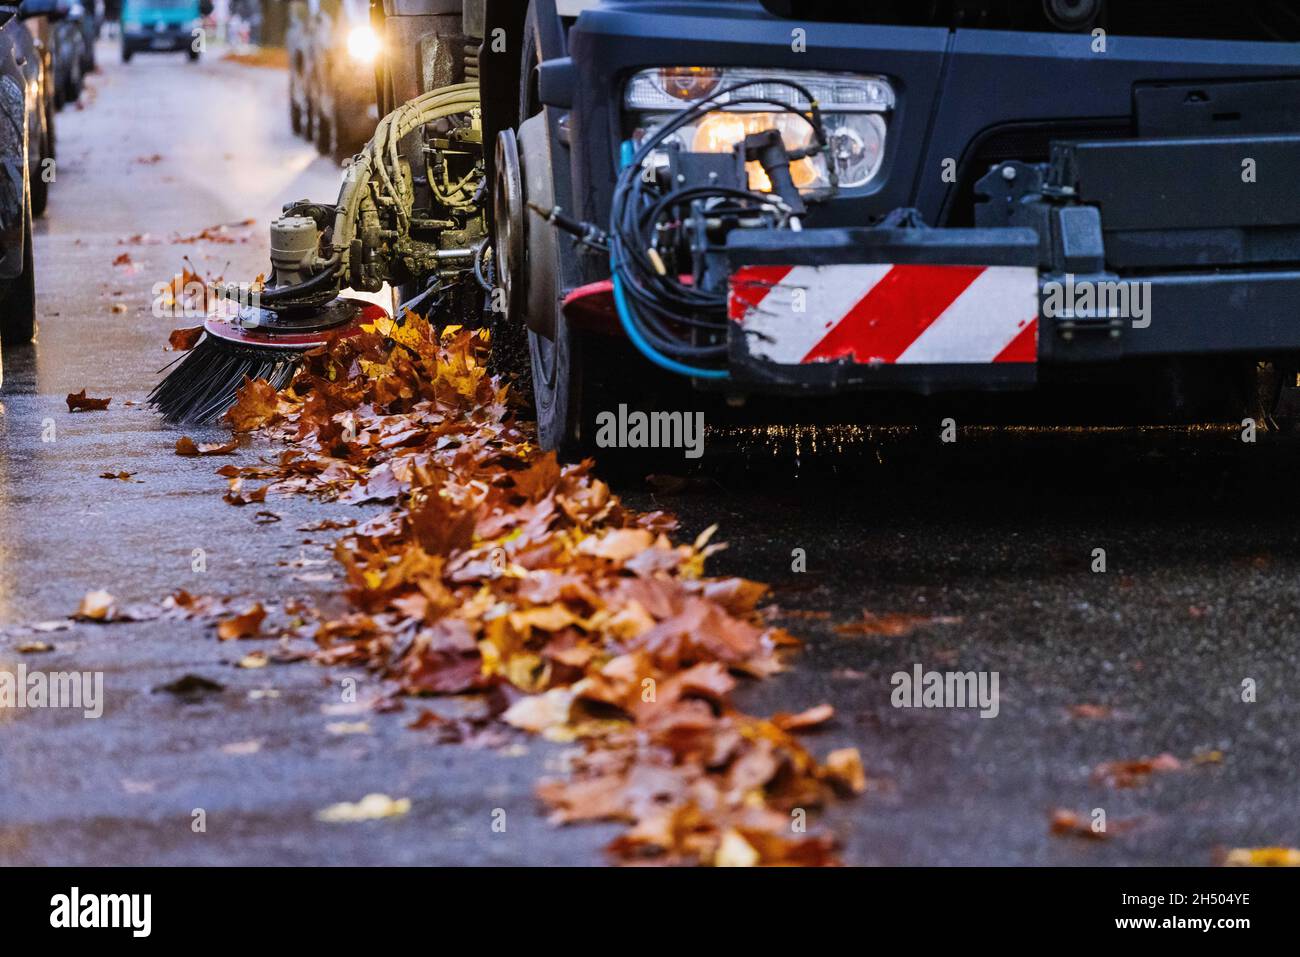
[[203, 384]]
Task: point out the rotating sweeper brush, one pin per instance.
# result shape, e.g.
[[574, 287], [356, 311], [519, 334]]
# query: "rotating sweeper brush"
[[254, 343], [372, 235]]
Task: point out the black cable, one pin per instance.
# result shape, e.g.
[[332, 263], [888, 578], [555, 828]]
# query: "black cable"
[[662, 306], [315, 284]]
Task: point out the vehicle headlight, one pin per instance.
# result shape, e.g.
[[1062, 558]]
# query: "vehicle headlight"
[[855, 109], [363, 44]]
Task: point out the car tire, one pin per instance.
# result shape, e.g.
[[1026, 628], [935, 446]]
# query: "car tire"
[[309, 120], [72, 89], [127, 53], [18, 309], [350, 133], [324, 135], [40, 188]]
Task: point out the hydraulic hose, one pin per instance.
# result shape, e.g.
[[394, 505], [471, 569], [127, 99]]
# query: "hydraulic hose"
[[380, 161]]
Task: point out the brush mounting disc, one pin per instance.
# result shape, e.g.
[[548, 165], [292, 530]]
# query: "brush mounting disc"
[[293, 331]]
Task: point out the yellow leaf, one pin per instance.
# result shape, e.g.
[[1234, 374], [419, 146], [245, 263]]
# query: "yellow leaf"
[[96, 606], [735, 851], [1263, 857], [372, 807]]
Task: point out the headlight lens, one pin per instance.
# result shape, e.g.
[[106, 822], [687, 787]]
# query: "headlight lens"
[[855, 109], [363, 44]]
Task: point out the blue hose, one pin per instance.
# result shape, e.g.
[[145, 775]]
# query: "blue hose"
[[626, 317]]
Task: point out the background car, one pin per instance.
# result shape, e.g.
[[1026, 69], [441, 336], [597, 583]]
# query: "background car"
[[161, 26], [68, 46], [333, 50], [297, 42], [25, 136], [41, 135], [87, 16]]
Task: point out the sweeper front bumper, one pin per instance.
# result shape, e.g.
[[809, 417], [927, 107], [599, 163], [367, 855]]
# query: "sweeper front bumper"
[[1075, 261]]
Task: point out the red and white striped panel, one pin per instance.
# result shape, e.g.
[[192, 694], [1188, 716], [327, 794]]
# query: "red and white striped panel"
[[884, 314]]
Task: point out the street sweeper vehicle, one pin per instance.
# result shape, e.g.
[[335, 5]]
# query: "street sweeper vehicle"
[[782, 208]]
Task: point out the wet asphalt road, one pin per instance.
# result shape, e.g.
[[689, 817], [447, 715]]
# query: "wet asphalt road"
[[994, 534]]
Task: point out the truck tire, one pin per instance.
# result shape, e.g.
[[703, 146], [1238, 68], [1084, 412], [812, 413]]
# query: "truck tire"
[[556, 363], [18, 308]]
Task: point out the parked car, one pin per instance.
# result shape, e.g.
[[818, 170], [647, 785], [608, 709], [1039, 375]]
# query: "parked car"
[[333, 51], [41, 159], [88, 18], [297, 43], [68, 46], [23, 136], [162, 26]]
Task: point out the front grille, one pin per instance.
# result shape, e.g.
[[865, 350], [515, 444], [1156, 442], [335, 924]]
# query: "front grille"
[[1027, 142]]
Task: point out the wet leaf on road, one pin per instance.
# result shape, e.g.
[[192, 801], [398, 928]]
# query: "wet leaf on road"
[[80, 402], [1090, 712], [1130, 774], [893, 625], [1262, 857], [328, 524], [188, 447], [348, 727], [246, 625], [1067, 823], [236, 495], [372, 807], [254, 660], [242, 748], [220, 234], [844, 769], [804, 720], [96, 606]]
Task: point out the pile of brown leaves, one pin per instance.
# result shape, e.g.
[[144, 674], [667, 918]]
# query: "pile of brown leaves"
[[499, 570]]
